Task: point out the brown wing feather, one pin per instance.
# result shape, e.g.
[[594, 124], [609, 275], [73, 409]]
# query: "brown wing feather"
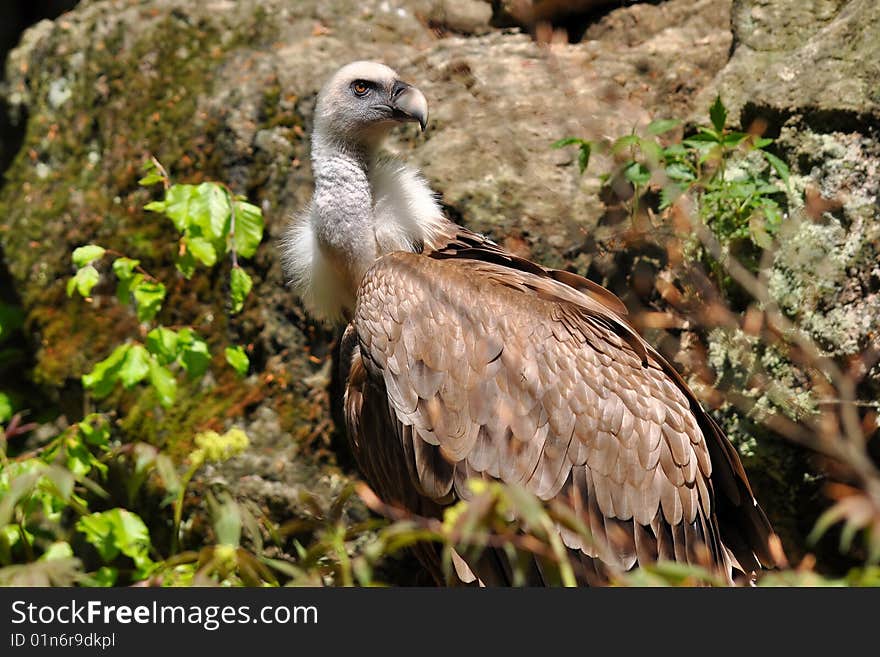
[[476, 362]]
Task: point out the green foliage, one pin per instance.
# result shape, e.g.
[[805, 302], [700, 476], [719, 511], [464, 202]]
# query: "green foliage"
[[36, 491], [6, 408], [116, 532], [240, 285], [45, 498], [716, 168], [730, 182], [85, 255], [194, 356], [238, 359], [213, 222], [585, 149], [85, 279], [48, 532]]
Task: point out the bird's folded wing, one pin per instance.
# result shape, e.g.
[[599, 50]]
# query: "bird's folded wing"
[[495, 371]]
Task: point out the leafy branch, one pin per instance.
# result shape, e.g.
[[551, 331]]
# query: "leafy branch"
[[213, 222]]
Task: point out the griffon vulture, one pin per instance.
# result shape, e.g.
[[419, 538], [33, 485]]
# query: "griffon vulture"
[[463, 360]]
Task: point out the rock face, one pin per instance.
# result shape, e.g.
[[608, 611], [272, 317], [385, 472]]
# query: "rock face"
[[809, 74], [819, 56], [225, 90]]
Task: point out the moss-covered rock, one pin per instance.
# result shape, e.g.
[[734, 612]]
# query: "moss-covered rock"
[[807, 74]]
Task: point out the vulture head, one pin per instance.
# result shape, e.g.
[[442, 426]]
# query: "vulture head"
[[364, 100], [365, 203]]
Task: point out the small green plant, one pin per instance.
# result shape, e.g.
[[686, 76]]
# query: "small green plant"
[[728, 175], [47, 522], [37, 490], [44, 506], [213, 223], [585, 149], [211, 447]]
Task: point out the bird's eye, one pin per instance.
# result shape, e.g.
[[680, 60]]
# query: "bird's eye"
[[360, 88]]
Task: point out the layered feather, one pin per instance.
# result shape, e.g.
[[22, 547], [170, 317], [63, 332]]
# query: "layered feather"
[[489, 365]]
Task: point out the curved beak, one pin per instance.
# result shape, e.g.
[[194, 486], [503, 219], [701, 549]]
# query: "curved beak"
[[409, 104]]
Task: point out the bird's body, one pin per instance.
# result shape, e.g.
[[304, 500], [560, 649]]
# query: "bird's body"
[[463, 360]]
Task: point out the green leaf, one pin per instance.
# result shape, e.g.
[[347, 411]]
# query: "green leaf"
[[718, 114], [155, 206], [209, 209], [624, 142], [80, 460], [128, 279], [659, 126], [202, 250], [152, 174], [57, 550], [124, 268], [238, 359], [135, 366], [637, 173], [163, 383], [584, 157], [680, 172], [194, 354], [675, 152], [6, 408], [162, 343], [248, 228], [762, 142], [118, 531], [151, 179], [566, 141], [186, 263], [23, 478], [97, 434], [779, 166], [104, 374], [149, 297], [125, 286], [240, 284], [177, 205], [702, 137], [734, 139], [86, 254], [83, 281]]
